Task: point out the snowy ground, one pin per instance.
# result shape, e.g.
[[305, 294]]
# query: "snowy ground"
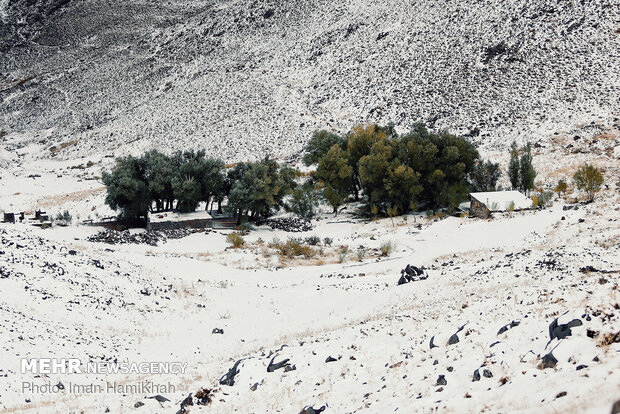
[[65, 297]]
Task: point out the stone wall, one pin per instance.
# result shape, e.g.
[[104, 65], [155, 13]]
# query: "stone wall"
[[478, 209], [183, 224]]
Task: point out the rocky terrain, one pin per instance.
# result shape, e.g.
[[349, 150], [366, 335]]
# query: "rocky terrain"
[[516, 314], [526, 320], [243, 79]]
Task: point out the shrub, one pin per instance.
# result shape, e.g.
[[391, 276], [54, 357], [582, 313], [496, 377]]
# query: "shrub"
[[294, 247], [313, 240], [386, 248], [64, 217], [361, 253], [589, 179], [561, 188], [235, 239]]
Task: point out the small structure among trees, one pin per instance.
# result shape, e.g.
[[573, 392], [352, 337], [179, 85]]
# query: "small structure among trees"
[[485, 203]]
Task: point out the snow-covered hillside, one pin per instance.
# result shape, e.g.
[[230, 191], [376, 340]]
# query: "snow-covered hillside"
[[243, 79], [354, 339]]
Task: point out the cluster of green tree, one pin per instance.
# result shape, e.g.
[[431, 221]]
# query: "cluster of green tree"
[[160, 182], [520, 169], [396, 173]]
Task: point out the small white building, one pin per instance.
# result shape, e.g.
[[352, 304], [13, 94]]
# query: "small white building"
[[483, 204]]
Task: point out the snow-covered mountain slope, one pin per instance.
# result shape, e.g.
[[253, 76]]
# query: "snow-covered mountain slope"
[[243, 78], [503, 281]]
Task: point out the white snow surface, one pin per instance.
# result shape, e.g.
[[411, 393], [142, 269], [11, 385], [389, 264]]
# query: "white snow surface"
[[65, 297], [502, 200]]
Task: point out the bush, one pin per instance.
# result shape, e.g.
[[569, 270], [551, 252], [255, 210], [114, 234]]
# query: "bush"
[[64, 218], [589, 179], [386, 248], [561, 188], [361, 253], [313, 240], [294, 247], [235, 239]]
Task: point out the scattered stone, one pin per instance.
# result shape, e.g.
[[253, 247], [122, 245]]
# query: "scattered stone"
[[282, 364], [412, 274], [562, 331], [187, 401], [229, 377], [152, 238], [561, 394], [580, 367], [60, 385], [138, 404], [548, 361], [205, 395], [330, 359], [454, 339], [487, 374], [159, 398], [432, 345], [441, 380], [290, 224], [615, 409], [476, 376], [311, 410], [217, 331]]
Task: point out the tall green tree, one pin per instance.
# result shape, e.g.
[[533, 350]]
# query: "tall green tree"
[[527, 174], [319, 144], [160, 170], [484, 176], [128, 189], [513, 166], [303, 201], [335, 176], [261, 189]]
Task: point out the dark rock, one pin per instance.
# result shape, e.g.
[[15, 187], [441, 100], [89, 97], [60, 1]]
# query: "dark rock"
[[487, 374], [561, 394], [272, 367], [312, 410], [204, 396], [615, 409], [188, 401], [229, 377], [431, 344], [548, 361], [217, 331], [330, 359], [580, 367], [441, 380], [138, 404], [562, 331], [454, 339], [476, 376]]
